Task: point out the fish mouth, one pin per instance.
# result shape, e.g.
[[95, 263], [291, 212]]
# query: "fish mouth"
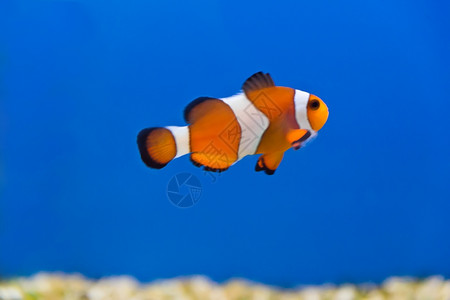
[[298, 143]]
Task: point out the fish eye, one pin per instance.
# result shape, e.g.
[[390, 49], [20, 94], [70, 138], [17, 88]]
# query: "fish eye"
[[314, 104]]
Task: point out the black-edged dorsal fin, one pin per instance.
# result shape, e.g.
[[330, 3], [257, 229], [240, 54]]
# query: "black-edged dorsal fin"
[[197, 108], [257, 81]]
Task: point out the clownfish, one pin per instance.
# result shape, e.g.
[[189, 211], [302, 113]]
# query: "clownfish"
[[263, 119]]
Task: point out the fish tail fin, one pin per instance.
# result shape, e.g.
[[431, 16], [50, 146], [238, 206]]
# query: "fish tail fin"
[[159, 145]]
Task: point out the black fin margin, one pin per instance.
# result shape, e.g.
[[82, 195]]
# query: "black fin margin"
[[258, 81], [142, 145], [193, 104], [206, 168], [209, 169], [264, 168], [198, 165], [306, 136]]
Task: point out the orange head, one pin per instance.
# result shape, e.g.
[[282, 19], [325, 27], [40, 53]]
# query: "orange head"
[[317, 112]]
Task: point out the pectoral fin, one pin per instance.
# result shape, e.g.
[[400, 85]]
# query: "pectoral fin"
[[296, 137]]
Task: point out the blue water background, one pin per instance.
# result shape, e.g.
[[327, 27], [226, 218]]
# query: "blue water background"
[[370, 198]]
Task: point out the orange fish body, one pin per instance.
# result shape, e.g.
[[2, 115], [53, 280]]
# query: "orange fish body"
[[265, 119]]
